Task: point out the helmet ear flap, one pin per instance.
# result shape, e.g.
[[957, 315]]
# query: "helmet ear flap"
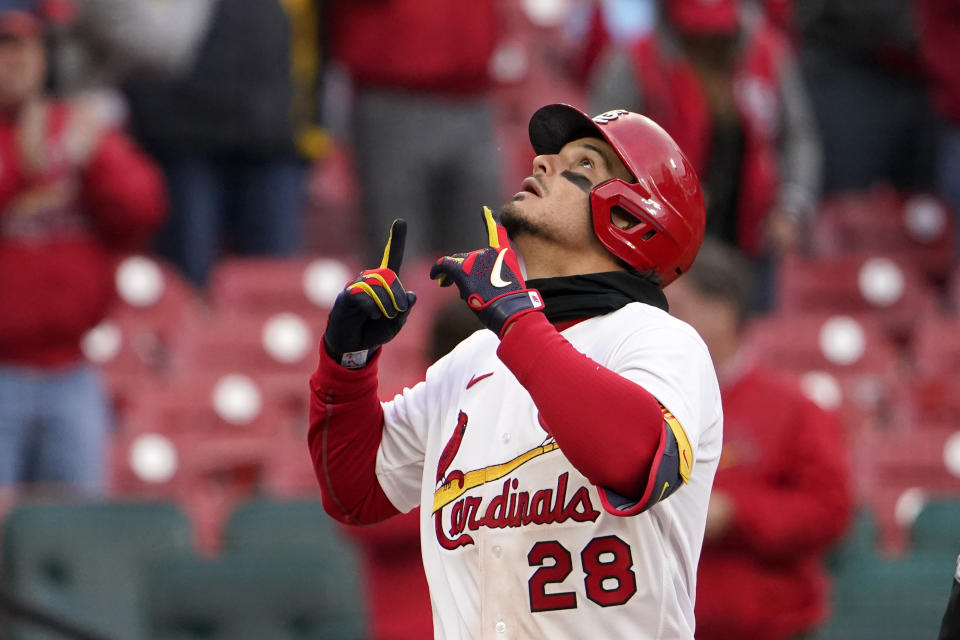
[[622, 222]]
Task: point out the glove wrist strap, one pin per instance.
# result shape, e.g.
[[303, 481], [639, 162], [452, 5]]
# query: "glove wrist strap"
[[505, 308], [351, 359]]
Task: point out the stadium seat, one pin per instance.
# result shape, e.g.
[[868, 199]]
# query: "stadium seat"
[[271, 529], [883, 288], [205, 474], [263, 285], [132, 344], [822, 342], [917, 228], [902, 471], [931, 400], [86, 561], [934, 532], [884, 599], [936, 345], [252, 529], [227, 403], [251, 597], [859, 544], [265, 343], [845, 365]]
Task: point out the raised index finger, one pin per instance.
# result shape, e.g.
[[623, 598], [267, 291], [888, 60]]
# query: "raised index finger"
[[496, 234], [393, 252]]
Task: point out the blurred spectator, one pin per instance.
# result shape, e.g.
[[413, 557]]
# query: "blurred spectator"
[[862, 66], [423, 123], [234, 133], [111, 38], [939, 22], [72, 191], [781, 494], [723, 82]]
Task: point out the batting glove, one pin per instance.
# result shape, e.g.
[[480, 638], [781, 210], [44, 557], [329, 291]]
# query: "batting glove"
[[371, 309], [490, 280]]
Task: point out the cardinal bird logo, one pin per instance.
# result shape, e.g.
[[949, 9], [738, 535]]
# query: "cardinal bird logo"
[[450, 451]]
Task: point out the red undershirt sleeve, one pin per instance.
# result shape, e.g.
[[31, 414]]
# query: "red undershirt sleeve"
[[610, 428], [346, 423]]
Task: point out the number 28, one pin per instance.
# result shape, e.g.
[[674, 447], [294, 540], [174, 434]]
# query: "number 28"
[[607, 564]]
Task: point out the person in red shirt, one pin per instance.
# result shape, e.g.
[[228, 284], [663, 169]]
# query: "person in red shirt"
[[422, 117], [724, 82], [939, 33], [781, 495], [72, 192]]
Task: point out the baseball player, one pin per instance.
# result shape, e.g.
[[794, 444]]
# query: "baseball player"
[[562, 460]]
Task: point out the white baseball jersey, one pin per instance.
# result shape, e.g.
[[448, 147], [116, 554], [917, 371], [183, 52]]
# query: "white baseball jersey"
[[516, 543]]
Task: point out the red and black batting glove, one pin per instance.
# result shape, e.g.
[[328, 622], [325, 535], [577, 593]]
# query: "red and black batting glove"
[[490, 280], [371, 309]]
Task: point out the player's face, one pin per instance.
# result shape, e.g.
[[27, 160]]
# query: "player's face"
[[553, 204]]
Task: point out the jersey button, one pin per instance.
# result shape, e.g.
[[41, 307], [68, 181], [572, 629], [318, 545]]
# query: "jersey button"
[[506, 438], [497, 551], [501, 627]]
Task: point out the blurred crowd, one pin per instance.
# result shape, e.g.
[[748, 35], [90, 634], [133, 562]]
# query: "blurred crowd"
[[197, 132]]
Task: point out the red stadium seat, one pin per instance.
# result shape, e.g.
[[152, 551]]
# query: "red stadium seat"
[[263, 285], [283, 343], [844, 364], [132, 344], [862, 402], [904, 467], [820, 341], [224, 404], [932, 400], [936, 345], [206, 474], [917, 228], [883, 288]]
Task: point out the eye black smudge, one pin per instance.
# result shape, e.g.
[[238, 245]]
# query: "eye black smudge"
[[581, 182]]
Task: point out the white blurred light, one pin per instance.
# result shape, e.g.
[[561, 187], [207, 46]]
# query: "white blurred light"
[[153, 458], [323, 279], [881, 282], [908, 506], [823, 389], [236, 399], [139, 281], [509, 62], [287, 338], [951, 454], [842, 340], [102, 343], [924, 218], [545, 13]]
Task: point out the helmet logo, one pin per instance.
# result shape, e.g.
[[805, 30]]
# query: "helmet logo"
[[609, 116]]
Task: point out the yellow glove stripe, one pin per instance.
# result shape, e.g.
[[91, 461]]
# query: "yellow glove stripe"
[[367, 289], [386, 251], [386, 287], [493, 238]]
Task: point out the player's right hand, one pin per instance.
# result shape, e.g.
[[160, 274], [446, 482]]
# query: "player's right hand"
[[371, 309]]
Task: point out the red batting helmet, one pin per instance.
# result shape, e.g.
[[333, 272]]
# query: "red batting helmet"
[[665, 200]]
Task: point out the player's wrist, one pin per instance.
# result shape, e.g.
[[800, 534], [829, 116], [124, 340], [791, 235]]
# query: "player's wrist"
[[500, 312], [350, 358]]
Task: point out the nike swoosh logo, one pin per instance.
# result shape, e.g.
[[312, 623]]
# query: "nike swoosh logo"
[[475, 379], [495, 278]]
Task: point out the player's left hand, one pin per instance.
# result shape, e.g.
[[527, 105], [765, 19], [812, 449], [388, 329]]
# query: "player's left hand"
[[489, 279]]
